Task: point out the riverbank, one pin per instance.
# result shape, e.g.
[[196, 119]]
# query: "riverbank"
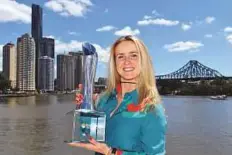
[[34, 94], [16, 95]]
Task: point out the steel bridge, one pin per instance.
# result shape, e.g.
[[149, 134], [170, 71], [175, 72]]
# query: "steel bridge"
[[193, 70]]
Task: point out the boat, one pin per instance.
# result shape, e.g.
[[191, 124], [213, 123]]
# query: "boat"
[[218, 97]]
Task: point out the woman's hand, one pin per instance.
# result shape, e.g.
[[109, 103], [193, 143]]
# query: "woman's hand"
[[79, 96], [93, 146]]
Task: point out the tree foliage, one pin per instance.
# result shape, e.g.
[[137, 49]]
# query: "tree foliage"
[[4, 83], [202, 87]]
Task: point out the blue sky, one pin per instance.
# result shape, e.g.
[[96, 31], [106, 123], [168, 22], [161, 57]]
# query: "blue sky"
[[174, 31]]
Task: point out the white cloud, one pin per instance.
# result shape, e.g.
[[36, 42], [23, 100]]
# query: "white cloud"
[[63, 47], [106, 28], [147, 17], [64, 14], [155, 13], [127, 31], [228, 34], [103, 53], [1, 50], [12, 11], [77, 8], [158, 21], [183, 46], [209, 19], [50, 36], [54, 5], [73, 33], [208, 36], [153, 16], [228, 29], [229, 38], [185, 27]]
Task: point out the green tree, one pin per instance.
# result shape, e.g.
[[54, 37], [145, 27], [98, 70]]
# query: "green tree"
[[4, 83]]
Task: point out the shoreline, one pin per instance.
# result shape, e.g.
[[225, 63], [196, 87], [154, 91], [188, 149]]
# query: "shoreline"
[[16, 95], [33, 94]]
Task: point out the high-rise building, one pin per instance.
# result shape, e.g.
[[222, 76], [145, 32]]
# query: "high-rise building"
[[46, 76], [9, 63], [37, 33], [26, 63], [78, 72], [65, 72], [102, 81], [47, 47]]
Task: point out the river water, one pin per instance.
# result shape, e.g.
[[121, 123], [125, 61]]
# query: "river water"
[[33, 126]]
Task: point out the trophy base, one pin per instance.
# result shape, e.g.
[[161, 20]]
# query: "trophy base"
[[88, 123]]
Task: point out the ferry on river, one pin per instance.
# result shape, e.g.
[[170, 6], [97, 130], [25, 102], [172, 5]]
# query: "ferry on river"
[[218, 97]]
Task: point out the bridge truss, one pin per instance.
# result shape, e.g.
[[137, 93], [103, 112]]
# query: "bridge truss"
[[192, 70]]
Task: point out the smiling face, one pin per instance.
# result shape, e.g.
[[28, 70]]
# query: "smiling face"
[[127, 59]]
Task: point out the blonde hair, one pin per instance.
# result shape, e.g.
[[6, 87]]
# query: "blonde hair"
[[146, 81]]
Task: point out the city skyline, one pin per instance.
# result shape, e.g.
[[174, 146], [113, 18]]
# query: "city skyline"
[[174, 35]]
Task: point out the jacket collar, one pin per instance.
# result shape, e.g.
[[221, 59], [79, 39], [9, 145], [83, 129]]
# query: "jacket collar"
[[133, 93]]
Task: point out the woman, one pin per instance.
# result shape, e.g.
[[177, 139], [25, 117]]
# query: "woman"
[[136, 123]]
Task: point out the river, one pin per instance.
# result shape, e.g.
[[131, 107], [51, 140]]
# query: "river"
[[33, 125]]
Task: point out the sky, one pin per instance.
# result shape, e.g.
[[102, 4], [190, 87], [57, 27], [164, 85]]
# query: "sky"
[[174, 32]]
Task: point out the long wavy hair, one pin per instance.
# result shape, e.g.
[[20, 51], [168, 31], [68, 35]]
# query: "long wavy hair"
[[146, 84]]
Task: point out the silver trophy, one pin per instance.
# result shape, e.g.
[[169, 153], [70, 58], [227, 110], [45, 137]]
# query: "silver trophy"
[[86, 120]]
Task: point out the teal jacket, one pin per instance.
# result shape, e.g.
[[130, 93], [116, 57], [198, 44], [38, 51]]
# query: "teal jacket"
[[135, 133]]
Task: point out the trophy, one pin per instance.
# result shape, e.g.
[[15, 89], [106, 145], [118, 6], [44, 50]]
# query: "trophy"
[[86, 120]]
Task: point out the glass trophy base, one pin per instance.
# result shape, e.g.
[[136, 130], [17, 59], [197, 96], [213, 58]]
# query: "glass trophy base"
[[85, 124]]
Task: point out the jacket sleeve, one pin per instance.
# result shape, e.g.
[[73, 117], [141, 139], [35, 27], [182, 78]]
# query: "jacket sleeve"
[[153, 133]]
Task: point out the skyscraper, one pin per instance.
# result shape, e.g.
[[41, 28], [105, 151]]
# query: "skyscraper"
[[46, 76], [78, 72], [37, 34], [46, 64], [65, 72], [9, 63], [26, 63], [47, 47]]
